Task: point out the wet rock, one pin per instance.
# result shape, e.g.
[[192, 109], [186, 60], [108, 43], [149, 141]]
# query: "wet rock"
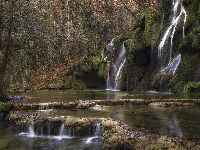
[[171, 104], [117, 134], [86, 104], [13, 98], [80, 126]]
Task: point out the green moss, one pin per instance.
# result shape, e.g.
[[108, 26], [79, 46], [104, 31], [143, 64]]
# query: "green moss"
[[135, 39], [185, 72], [106, 135], [158, 31], [84, 65], [178, 87], [194, 5], [190, 43], [148, 14], [190, 20], [5, 107], [102, 69], [120, 39], [82, 86], [192, 88]]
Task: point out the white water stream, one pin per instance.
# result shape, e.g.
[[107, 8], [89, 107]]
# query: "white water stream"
[[116, 66], [169, 33]]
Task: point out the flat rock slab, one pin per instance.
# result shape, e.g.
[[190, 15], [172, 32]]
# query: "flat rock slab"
[[171, 104]]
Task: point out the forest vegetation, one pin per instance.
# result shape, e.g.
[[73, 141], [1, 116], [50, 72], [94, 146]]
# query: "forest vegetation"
[[57, 44]]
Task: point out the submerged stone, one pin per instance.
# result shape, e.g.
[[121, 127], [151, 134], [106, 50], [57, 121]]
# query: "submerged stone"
[[13, 98]]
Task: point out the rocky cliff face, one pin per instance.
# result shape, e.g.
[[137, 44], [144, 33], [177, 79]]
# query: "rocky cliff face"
[[81, 30], [141, 71]]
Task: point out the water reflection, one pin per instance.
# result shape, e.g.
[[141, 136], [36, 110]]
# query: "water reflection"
[[174, 122], [175, 127], [181, 122], [66, 96], [113, 95], [169, 121]]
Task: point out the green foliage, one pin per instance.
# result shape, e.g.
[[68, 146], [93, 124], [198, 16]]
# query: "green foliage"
[[164, 11], [102, 69], [82, 86], [5, 107], [191, 19], [136, 35], [193, 13], [120, 39], [190, 42], [106, 135], [79, 67], [194, 5], [149, 14], [157, 33], [87, 64], [192, 88], [185, 72]]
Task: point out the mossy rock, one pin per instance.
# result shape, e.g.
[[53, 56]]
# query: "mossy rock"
[[5, 107], [192, 88], [185, 72], [191, 44]]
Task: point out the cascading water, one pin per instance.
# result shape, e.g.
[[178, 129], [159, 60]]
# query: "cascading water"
[[31, 131], [169, 33], [40, 131], [45, 107], [96, 133], [62, 131], [172, 65], [97, 129], [115, 66]]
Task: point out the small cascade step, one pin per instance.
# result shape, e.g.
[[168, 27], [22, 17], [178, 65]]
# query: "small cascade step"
[[34, 125]]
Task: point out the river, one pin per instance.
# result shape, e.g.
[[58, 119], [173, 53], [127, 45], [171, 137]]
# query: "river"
[[172, 121]]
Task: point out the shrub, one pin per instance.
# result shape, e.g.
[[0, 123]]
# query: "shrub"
[[5, 107], [192, 88], [82, 86]]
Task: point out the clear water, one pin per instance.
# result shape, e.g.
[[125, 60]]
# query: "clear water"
[[11, 139], [68, 96], [175, 122]]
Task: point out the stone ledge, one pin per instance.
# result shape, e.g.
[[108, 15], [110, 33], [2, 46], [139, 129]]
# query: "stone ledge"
[[85, 104], [116, 134]]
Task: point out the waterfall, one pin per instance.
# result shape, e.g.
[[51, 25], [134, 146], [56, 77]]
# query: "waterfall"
[[62, 133], [173, 63], [118, 75], [97, 129], [31, 131], [45, 132], [115, 66], [62, 130], [169, 33], [96, 133]]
